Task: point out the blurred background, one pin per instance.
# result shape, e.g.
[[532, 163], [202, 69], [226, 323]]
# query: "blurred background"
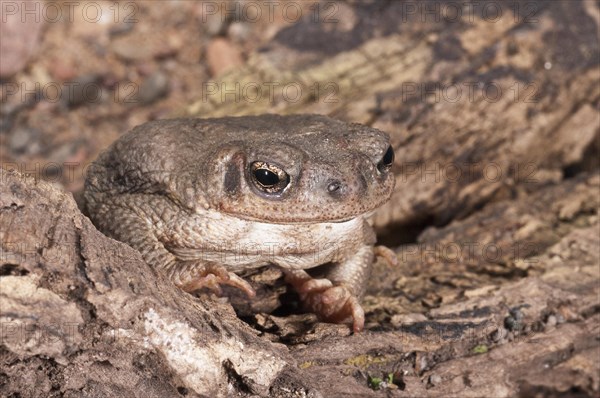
[[482, 99], [76, 75]]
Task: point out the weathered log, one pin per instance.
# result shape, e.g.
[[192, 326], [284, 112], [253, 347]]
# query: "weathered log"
[[84, 315], [74, 300], [477, 106], [521, 318]]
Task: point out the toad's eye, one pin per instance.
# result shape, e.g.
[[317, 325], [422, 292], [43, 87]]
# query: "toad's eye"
[[386, 162], [268, 177]]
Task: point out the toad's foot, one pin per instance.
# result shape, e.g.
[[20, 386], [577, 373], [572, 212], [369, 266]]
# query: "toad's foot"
[[387, 254], [331, 303], [191, 276]]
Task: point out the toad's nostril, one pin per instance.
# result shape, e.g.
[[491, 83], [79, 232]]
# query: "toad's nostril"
[[334, 188]]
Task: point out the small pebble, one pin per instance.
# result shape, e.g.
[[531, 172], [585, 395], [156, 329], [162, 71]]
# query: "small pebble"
[[21, 139], [435, 379], [84, 90], [514, 320], [512, 48], [239, 31], [214, 24], [222, 55], [63, 152], [551, 321], [133, 48], [422, 363], [500, 334], [20, 37], [517, 314], [121, 28], [153, 87], [62, 70], [510, 323], [432, 38]]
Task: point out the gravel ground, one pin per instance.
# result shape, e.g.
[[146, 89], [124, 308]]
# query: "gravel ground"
[[74, 76]]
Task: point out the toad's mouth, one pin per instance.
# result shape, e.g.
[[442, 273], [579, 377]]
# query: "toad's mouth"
[[297, 221], [306, 218]]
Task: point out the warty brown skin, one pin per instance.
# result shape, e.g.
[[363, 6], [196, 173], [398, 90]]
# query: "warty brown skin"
[[185, 194]]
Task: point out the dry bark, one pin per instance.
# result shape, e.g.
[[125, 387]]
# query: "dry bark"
[[476, 109], [83, 315], [522, 321]]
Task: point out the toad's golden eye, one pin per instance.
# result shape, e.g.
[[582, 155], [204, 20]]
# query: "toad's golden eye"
[[385, 164], [268, 177]]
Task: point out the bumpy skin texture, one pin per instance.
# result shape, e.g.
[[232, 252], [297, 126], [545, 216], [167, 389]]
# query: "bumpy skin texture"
[[183, 192]]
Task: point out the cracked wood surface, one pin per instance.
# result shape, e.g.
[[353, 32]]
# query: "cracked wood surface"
[[83, 315], [468, 105], [535, 317]]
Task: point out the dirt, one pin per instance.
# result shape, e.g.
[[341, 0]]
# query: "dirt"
[[101, 69]]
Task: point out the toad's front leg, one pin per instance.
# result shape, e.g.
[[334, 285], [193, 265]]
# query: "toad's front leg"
[[194, 275], [142, 222], [337, 297]]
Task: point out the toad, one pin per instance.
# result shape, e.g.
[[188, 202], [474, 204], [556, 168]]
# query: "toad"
[[205, 199]]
